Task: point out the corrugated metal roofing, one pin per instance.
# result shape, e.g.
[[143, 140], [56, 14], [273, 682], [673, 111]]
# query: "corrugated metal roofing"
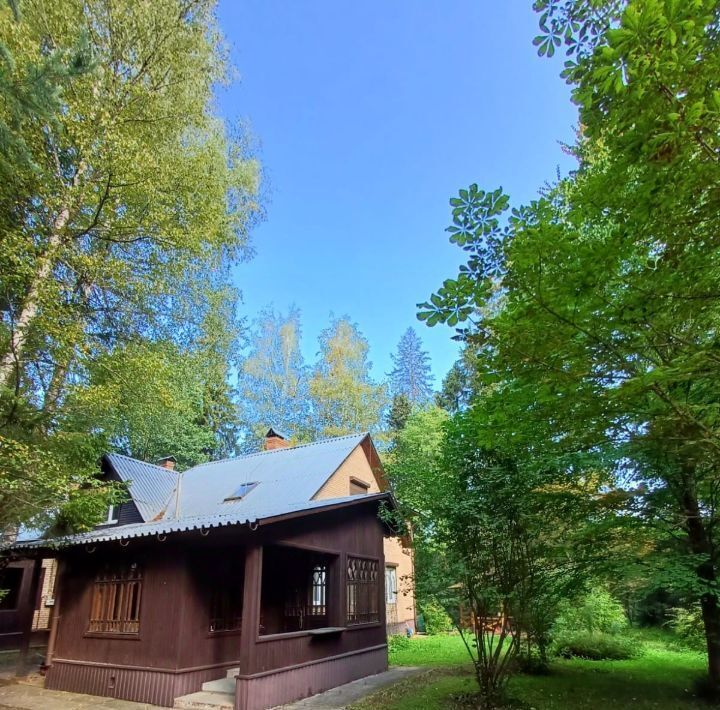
[[168, 501], [206, 522], [284, 476], [151, 487]]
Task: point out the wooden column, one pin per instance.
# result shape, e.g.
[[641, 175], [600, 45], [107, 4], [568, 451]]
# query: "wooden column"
[[250, 621], [27, 611], [251, 605]]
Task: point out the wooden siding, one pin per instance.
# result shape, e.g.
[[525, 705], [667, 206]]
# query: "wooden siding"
[[174, 652], [144, 685], [292, 683]]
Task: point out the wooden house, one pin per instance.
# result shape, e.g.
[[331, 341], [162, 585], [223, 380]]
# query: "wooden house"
[[254, 581]]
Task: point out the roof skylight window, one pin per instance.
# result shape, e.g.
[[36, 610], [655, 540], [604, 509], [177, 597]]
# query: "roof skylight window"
[[241, 492]]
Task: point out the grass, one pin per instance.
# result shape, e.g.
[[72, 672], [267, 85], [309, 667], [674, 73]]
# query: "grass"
[[661, 677]]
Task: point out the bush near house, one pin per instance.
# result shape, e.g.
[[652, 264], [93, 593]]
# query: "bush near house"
[[437, 620]]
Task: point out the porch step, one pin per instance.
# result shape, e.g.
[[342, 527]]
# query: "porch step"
[[222, 685], [205, 700], [232, 672]]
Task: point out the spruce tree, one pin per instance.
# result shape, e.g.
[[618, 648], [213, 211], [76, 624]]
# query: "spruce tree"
[[411, 375]]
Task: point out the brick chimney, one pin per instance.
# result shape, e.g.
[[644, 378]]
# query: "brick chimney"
[[275, 440], [167, 462]]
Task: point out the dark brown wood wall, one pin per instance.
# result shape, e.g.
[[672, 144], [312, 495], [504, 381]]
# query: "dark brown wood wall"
[[351, 531], [174, 636], [160, 610]]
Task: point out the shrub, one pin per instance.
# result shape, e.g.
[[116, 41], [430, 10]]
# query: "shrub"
[[437, 620], [598, 610], [597, 646], [688, 625], [398, 642]]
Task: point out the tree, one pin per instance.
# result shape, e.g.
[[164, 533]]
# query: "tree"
[[400, 410], [127, 203], [603, 337], [145, 417], [454, 393], [516, 538], [273, 379], [345, 400], [411, 375]]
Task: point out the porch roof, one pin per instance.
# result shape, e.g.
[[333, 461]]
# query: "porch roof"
[[271, 513]]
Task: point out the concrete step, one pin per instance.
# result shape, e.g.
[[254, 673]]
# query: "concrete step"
[[232, 672], [222, 685], [206, 701]]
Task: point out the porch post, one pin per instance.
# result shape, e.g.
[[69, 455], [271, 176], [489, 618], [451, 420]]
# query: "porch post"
[[250, 619], [27, 612], [251, 605]]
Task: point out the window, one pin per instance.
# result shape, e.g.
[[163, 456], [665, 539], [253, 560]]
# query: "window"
[[294, 594], [111, 515], [362, 591], [10, 582], [318, 590], [358, 487], [226, 608], [241, 492], [390, 585], [115, 605]]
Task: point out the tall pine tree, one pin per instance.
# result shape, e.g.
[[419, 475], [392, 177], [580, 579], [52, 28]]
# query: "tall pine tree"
[[411, 375]]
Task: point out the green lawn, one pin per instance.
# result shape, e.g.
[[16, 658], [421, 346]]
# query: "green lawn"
[[661, 678]]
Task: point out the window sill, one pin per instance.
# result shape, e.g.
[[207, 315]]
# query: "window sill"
[[327, 631]]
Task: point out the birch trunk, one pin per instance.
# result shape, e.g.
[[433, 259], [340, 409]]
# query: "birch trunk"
[[11, 359]]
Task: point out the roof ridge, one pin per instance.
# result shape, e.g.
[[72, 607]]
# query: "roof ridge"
[[279, 450]]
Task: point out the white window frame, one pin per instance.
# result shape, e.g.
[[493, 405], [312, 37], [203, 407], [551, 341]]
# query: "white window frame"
[[111, 519], [391, 584]]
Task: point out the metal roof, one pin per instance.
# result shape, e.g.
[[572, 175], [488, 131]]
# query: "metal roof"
[[286, 477], [286, 480], [151, 487], [206, 522]]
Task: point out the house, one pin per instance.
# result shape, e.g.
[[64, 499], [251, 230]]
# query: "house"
[[260, 579]]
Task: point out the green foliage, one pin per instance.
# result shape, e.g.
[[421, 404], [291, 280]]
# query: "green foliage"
[[437, 620], [123, 204], [397, 642], [594, 646], [399, 412], [660, 678], [688, 625], [455, 391], [594, 309], [411, 376], [596, 611], [273, 379], [345, 400]]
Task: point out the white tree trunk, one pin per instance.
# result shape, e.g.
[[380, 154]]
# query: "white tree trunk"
[[20, 325]]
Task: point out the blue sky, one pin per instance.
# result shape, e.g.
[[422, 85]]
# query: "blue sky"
[[368, 117]]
